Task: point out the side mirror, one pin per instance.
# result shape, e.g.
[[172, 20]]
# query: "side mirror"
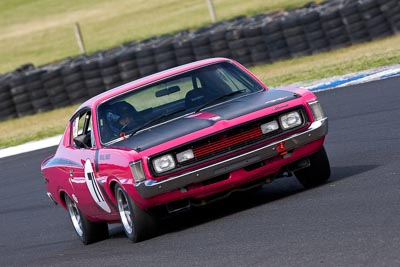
[[82, 140]]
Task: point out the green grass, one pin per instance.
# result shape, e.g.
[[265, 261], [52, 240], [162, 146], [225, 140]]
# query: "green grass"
[[34, 127], [42, 31], [351, 59]]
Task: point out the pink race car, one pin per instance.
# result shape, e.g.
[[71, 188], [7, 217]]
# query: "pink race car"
[[181, 138]]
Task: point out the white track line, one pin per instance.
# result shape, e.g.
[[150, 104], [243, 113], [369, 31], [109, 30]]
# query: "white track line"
[[30, 146]]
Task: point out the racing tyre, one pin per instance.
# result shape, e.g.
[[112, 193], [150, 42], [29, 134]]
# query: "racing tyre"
[[317, 173], [87, 231], [138, 224]]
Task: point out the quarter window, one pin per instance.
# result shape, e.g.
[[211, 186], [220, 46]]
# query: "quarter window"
[[82, 136]]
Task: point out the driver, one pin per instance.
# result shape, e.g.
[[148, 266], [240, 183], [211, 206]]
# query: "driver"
[[121, 118]]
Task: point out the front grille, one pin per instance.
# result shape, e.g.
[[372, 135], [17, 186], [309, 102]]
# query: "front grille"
[[224, 141], [232, 140]]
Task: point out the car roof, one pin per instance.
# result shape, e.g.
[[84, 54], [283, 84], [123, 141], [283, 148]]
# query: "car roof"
[[94, 101]]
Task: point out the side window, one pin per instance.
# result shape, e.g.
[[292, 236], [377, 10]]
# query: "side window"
[[82, 136]]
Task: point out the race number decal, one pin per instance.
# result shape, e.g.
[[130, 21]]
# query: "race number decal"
[[94, 188]]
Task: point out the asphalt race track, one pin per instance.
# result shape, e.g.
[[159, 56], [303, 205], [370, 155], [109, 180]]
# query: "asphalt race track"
[[353, 220]]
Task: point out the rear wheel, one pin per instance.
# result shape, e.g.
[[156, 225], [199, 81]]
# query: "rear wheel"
[[317, 173], [138, 224], [87, 231]]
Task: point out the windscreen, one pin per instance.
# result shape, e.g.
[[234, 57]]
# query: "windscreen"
[[172, 97]]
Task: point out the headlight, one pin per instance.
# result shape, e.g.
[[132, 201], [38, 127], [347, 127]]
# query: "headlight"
[[290, 120], [163, 163], [184, 155], [316, 110], [269, 127]]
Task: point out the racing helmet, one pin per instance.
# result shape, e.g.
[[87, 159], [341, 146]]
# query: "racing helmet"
[[118, 111]]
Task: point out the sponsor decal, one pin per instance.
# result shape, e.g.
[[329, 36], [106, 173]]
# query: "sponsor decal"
[[281, 99], [94, 188], [105, 157], [205, 116], [281, 107]]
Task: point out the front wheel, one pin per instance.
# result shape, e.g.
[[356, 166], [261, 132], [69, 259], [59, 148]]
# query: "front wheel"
[[138, 224], [87, 231], [317, 173]]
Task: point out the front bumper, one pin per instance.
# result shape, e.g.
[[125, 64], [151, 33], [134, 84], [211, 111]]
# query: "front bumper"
[[151, 188]]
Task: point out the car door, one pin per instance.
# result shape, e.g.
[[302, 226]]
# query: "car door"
[[88, 192]]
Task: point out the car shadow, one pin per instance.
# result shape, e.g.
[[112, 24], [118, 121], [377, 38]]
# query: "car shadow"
[[240, 201]]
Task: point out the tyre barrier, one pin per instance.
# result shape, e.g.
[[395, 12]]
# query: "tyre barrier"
[[260, 39], [7, 107]]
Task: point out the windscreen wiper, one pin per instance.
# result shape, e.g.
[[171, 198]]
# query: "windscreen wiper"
[[218, 98], [156, 119]]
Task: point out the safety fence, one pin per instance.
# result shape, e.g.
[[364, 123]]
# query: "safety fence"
[[261, 39]]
